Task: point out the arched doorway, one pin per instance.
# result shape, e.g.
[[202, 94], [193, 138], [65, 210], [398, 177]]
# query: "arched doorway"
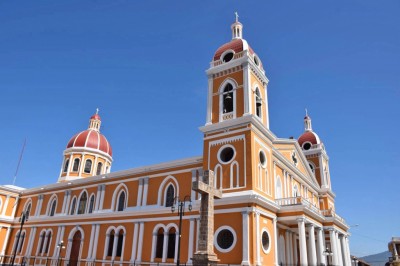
[[75, 249]]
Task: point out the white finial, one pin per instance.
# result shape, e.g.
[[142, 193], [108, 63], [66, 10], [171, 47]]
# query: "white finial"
[[306, 112], [97, 111], [237, 16]]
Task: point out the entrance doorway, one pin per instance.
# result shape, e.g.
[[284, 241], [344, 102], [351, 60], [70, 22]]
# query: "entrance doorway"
[[75, 249]]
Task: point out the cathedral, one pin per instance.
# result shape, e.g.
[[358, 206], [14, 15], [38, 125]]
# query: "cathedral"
[[276, 207]]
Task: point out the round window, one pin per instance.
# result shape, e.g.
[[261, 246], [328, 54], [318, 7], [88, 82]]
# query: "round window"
[[263, 159], [307, 146], [256, 61], [227, 57], [265, 241], [311, 167], [225, 239], [226, 154]]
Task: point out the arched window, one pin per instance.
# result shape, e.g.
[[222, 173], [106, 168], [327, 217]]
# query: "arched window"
[[42, 239], [227, 98], [73, 206], [170, 195], [121, 201], [21, 242], [99, 168], [66, 165], [111, 244], [258, 103], [171, 243], [27, 210], [53, 206], [48, 239], [91, 204], [16, 241], [82, 203], [120, 243], [278, 188], [160, 243], [88, 166], [75, 167]]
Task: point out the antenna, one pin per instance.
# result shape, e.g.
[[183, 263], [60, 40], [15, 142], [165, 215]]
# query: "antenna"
[[19, 161]]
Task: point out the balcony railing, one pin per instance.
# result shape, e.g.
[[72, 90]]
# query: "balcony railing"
[[298, 201], [219, 62]]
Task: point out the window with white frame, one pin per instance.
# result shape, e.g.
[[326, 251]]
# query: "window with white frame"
[[88, 166], [258, 103], [169, 196], [75, 167], [82, 203], [121, 201]]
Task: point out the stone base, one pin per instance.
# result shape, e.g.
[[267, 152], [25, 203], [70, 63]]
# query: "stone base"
[[204, 259]]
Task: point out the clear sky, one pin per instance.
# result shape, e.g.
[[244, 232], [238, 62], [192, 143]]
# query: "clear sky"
[[142, 63]]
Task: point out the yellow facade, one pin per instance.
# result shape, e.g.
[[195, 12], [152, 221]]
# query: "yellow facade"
[[277, 206]]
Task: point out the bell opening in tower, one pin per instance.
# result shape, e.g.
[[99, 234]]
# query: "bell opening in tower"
[[228, 99]]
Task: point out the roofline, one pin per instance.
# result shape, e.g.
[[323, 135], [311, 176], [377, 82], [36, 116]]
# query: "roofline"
[[132, 171]]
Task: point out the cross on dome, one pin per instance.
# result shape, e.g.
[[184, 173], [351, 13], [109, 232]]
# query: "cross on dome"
[[237, 16]]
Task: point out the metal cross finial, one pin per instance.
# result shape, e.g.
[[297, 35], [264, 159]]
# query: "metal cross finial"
[[306, 112], [237, 16], [97, 111]]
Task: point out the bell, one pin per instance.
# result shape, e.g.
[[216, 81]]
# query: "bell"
[[258, 100], [228, 97]]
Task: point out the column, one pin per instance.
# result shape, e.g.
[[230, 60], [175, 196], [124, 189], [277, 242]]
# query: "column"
[[302, 241], [311, 236], [103, 188], [91, 241], [258, 240], [197, 232], [295, 250], [68, 200], [246, 88], [348, 251], [153, 247], [98, 196], [140, 192], [276, 240], [96, 239], [288, 247], [291, 236], [333, 246], [56, 242], [145, 191], [209, 101], [339, 249], [15, 207], [165, 247], [320, 247], [139, 253], [344, 253], [191, 240], [245, 229], [115, 244], [5, 205], [193, 193], [134, 244], [64, 201], [30, 241]]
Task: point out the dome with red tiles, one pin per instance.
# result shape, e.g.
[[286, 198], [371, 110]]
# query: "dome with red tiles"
[[310, 137], [91, 138], [227, 52]]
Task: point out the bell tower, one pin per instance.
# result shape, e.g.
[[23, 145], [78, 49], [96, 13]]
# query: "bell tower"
[[237, 84], [236, 134]]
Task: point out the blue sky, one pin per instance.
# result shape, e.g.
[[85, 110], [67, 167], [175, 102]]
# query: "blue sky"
[[143, 64]]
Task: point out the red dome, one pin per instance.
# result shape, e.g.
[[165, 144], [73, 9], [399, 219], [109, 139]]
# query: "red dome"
[[90, 139], [309, 136], [235, 45]]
